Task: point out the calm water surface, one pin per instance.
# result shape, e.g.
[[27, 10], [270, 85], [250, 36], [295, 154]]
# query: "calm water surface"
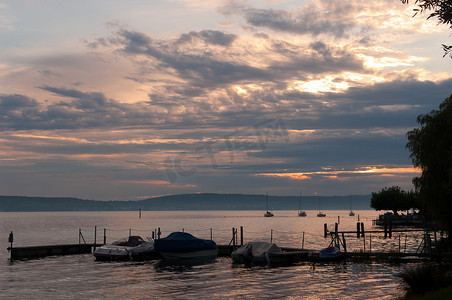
[[81, 277]]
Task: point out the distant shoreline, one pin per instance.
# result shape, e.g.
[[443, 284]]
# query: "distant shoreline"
[[186, 202]]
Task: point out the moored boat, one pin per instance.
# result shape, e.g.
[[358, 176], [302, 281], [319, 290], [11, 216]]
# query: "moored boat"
[[327, 254], [124, 249], [182, 245], [255, 253]]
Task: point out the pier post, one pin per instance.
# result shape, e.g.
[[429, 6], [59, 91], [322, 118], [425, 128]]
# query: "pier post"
[[153, 235], [10, 241], [159, 233], [271, 235], [325, 230], [233, 238], [338, 220], [105, 236], [358, 234], [343, 243], [140, 213], [79, 234], [95, 236], [241, 235], [130, 232], [302, 242], [390, 229], [211, 234], [370, 243], [362, 229]]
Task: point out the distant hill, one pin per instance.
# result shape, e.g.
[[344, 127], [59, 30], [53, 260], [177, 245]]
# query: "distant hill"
[[186, 202]]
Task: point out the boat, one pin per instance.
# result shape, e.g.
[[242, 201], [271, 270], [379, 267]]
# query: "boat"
[[268, 213], [125, 249], [328, 254], [255, 253], [301, 213], [183, 245], [351, 213], [320, 214]]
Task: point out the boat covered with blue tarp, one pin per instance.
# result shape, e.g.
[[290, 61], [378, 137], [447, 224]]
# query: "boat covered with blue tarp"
[[183, 245]]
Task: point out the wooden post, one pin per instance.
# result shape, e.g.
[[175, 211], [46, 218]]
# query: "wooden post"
[[130, 232], [159, 233], [153, 235], [211, 234], [79, 235], [241, 235], [358, 234], [364, 244], [233, 237], [358, 218], [140, 213], [399, 244], [338, 220], [105, 236], [390, 229], [183, 229], [325, 230], [95, 237], [370, 243], [386, 225], [362, 229], [343, 243], [271, 236], [302, 242]]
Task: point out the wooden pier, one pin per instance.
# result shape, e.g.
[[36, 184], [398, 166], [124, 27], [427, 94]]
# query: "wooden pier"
[[31, 252]]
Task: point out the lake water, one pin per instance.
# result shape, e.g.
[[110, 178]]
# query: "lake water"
[[81, 277]]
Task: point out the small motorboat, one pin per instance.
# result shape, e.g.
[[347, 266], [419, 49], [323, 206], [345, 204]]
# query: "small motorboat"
[[255, 253], [321, 214], [125, 249], [328, 254], [182, 245]]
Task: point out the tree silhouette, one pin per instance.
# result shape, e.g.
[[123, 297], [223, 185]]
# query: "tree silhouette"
[[431, 150], [392, 198]]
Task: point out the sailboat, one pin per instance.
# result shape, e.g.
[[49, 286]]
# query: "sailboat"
[[301, 213], [351, 213], [268, 213], [320, 214]]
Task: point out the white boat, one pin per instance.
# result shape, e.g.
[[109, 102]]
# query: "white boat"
[[255, 253], [328, 254], [125, 249], [268, 213], [301, 213], [182, 245]]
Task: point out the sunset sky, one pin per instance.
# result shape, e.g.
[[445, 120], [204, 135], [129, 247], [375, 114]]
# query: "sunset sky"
[[125, 100]]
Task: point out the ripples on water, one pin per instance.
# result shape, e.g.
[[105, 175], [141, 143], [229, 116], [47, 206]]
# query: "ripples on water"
[[80, 277]]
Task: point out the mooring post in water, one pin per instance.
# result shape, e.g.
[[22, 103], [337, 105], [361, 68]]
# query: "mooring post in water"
[[338, 219], [358, 234], [140, 213], [325, 230], [271, 235], [358, 218], [241, 235], [79, 235], [211, 234], [105, 236], [364, 244], [95, 236], [159, 233], [390, 229], [10, 241], [233, 238], [343, 243], [362, 229], [302, 242], [370, 243], [153, 234]]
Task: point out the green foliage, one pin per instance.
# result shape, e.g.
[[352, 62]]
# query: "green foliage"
[[393, 198], [440, 9], [431, 151]]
